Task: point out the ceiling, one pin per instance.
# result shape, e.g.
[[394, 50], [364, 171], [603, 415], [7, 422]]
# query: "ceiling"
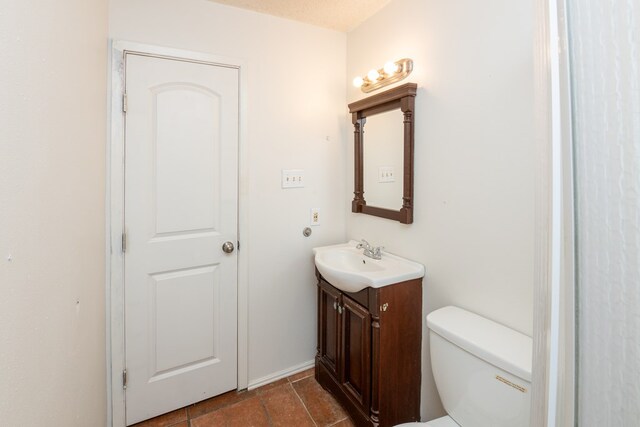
[[341, 15]]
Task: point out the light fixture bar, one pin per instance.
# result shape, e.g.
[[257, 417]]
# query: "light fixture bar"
[[375, 79]]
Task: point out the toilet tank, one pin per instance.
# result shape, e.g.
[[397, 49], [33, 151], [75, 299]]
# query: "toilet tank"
[[482, 369]]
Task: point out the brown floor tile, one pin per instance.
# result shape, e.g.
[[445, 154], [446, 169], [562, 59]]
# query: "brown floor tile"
[[248, 413], [323, 408], [344, 423], [166, 420], [285, 408], [218, 402], [272, 385], [300, 375], [297, 400], [212, 419]]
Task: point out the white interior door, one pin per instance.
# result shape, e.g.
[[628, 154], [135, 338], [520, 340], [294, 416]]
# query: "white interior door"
[[181, 145]]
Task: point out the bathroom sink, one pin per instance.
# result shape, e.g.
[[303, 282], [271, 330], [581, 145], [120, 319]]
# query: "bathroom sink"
[[346, 268]]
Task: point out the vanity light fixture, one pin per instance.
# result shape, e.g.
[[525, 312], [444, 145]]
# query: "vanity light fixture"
[[391, 72]]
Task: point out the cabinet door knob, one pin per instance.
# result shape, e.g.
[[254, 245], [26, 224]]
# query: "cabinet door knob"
[[335, 305], [340, 309]]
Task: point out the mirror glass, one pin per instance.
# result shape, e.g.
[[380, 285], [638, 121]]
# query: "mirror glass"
[[383, 155]]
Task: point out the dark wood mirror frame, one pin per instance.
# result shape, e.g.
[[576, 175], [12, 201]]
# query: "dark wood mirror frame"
[[403, 98]]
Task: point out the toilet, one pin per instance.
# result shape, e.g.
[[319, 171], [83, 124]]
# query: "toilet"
[[482, 371]]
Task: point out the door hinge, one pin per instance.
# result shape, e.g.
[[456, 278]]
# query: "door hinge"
[[124, 102], [124, 242], [124, 379]]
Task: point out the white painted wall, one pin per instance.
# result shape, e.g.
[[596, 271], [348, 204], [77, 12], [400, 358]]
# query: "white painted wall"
[[605, 61], [474, 166], [52, 191], [295, 108]]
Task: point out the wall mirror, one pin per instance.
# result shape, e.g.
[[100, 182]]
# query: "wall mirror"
[[383, 162]]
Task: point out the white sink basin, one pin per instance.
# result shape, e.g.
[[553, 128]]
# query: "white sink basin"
[[346, 268]]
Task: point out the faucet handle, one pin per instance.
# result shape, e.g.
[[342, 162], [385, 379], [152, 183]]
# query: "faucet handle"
[[363, 244]]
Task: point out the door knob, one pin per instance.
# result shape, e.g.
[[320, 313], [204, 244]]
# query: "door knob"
[[228, 247]]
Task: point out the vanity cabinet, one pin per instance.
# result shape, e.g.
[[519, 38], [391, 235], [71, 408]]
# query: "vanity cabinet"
[[369, 350]]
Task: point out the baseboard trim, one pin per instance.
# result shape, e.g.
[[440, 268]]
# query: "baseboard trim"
[[281, 374]]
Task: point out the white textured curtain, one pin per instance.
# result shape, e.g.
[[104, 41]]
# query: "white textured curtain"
[[605, 71]]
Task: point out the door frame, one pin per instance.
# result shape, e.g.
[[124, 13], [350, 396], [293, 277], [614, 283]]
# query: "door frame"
[[115, 336], [553, 395]]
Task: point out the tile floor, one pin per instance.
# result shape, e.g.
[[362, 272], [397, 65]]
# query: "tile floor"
[[296, 401]]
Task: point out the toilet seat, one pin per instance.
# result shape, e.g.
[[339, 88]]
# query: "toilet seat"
[[446, 421]]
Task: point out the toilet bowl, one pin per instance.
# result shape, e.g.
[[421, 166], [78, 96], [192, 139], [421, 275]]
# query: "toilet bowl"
[[446, 421], [482, 371]]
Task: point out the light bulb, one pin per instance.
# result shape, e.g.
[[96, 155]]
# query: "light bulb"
[[358, 81], [390, 67], [373, 75]]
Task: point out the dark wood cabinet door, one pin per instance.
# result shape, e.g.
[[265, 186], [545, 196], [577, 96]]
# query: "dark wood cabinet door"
[[329, 300], [356, 351], [369, 351]]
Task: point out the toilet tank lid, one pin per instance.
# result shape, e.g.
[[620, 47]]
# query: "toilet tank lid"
[[492, 342]]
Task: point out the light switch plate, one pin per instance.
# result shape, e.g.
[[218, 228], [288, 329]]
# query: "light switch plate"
[[386, 174], [292, 178]]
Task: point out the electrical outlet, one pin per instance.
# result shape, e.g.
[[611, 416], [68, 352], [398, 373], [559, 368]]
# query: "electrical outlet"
[[292, 178], [315, 216], [386, 174]]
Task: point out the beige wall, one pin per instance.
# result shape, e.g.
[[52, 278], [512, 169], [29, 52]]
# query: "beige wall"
[[52, 180], [474, 178], [473, 226]]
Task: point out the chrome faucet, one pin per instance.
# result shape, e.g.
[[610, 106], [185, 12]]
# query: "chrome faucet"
[[370, 251]]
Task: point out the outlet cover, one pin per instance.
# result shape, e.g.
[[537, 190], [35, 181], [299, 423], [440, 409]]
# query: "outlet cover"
[[315, 217], [292, 178]]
